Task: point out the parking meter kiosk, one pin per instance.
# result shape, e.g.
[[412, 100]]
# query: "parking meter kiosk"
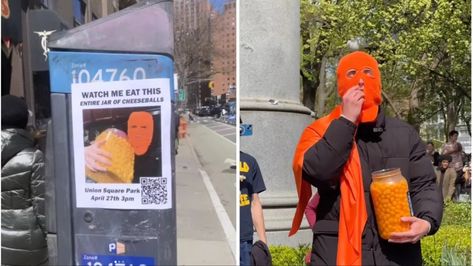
[[112, 137]]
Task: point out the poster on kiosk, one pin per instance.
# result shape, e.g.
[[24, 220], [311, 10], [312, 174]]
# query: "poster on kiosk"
[[113, 137], [121, 118], [121, 137], [122, 144]]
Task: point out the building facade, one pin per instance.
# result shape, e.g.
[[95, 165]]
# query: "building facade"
[[205, 43], [224, 55]]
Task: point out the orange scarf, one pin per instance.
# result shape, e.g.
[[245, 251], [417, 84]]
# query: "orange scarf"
[[353, 214]]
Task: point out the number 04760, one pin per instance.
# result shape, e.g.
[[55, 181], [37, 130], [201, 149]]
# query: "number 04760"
[[108, 74]]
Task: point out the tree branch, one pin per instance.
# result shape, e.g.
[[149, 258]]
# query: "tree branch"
[[388, 99]]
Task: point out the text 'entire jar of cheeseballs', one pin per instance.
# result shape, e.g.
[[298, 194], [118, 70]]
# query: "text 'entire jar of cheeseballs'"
[[390, 194]]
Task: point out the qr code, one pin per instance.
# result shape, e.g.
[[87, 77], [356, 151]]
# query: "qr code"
[[154, 190]]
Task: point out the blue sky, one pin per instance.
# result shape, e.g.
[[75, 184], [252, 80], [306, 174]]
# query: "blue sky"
[[218, 5]]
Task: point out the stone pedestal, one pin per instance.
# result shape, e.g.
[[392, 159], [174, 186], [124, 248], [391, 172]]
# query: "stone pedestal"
[[269, 100]]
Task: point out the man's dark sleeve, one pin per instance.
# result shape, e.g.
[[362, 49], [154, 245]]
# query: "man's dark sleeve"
[[258, 182], [324, 161], [425, 195]]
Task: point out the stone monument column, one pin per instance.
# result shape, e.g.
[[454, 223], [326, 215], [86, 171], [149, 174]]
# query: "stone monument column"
[[269, 63]]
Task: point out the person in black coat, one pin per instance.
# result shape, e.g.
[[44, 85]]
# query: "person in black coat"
[[23, 208], [382, 143]]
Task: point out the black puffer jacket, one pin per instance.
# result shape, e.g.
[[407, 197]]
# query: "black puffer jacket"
[[23, 221], [387, 143]]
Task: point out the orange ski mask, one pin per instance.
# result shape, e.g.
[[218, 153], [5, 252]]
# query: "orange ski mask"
[[356, 67], [140, 131], [353, 215]]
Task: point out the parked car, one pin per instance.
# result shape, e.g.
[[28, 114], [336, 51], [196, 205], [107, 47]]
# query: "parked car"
[[203, 111], [215, 111]]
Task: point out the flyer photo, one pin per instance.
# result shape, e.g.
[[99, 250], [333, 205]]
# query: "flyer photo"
[[121, 144]]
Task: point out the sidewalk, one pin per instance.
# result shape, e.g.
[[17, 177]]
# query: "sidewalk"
[[200, 237]]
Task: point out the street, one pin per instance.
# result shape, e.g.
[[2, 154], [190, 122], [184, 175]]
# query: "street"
[[205, 192], [222, 129], [214, 143]]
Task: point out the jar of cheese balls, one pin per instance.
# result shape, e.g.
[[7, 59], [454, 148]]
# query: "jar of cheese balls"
[[390, 194]]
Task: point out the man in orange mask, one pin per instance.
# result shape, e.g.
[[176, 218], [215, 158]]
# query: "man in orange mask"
[[141, 135], [337, 155], [140, 131]]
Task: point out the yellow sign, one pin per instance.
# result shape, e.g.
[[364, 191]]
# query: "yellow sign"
[[211, 84], [244, 201], [244, 167]]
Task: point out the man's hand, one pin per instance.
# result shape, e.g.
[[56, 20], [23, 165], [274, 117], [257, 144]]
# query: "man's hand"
[[94, 154], [418, 229], [353, 101]]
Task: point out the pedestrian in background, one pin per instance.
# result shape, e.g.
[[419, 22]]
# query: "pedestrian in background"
[[23, 211], [432, 153], [446, 177], [251, 210], [337, 154], [455, 149]]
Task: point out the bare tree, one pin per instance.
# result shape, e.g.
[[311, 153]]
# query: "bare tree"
[[195, 50], [192, 51]]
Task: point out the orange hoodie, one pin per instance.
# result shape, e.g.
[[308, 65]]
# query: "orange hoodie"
[[353, 214]]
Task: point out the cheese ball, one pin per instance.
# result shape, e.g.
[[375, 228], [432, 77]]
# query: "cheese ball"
[[390, 198]]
